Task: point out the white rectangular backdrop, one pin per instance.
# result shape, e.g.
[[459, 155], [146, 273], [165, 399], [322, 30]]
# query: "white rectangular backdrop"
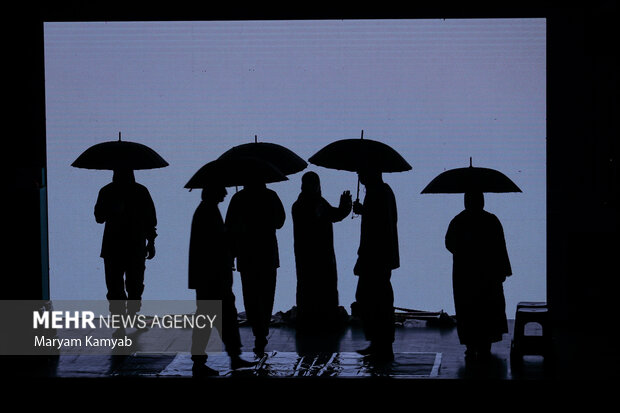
[[438, 91]]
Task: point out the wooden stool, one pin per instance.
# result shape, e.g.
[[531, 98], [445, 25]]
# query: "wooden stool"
[[522, 344]]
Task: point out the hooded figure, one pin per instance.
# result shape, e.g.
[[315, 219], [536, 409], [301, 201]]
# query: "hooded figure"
[[315, 260], [254, 214], [210, 274], [480, 265], [128, 212]]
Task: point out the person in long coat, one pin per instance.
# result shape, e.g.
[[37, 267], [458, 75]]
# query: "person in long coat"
[[253, 216], [475, 238], [128, 212], [210, 274], [378, 255], [315, 260]]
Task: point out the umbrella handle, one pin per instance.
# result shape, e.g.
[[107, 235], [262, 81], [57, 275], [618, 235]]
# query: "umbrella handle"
[[358, 178], [357, 198]]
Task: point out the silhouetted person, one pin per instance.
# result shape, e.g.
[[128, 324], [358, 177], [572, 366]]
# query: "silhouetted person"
[[315, 260], [254, 214], [211, 275], [480, 265], [377, 257], [128, 212]]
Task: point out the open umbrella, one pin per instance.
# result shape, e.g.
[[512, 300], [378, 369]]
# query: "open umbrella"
[[358, 154], [461, 180], [287, 161], [355, 155], [235, 172], [119, 155]]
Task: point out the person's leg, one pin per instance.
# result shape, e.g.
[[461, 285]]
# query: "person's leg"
[[115, 284], [200, 339], [134, 284], [114, 271], [200, 336], [385, 317], [363, 300], [250, 287], [229, 327], [381, 316], [230, 333], [266, 301]]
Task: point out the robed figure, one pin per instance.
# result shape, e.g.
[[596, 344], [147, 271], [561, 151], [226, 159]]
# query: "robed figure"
[[127, 210], [210, 274], [253, 216], [377, 255], [315, 260], [475, 238]]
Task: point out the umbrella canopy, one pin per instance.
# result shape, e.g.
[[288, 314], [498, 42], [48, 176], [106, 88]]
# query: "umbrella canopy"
[[359, 154], [235, 172], [119, 155], [461, 180], [287, 161]]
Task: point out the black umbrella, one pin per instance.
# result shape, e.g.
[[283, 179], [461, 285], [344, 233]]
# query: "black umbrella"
[[461, 180], [119, 155], [287, 161], [358, 154], [355, 155], [235, 172]]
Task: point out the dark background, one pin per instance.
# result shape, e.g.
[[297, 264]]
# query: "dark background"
[[582, 176]]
